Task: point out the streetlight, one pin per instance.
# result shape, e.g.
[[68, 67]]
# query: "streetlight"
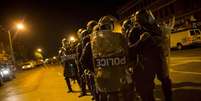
[[19, 26], [38, 55], [39, 50], [54, 57], [72, 39]]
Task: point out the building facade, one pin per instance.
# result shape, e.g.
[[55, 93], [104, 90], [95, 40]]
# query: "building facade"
[[186, 12]]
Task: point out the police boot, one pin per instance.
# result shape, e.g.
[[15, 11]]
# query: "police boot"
[[82, 94]]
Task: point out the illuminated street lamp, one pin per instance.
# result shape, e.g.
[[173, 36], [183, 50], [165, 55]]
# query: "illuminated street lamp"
[[19, 26], [39, 50], [38, 53], [54, 57], [72, 39]]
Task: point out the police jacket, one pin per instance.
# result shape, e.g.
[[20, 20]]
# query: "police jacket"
[[78, 57], [151, 55], [70, 67], [87, 58]]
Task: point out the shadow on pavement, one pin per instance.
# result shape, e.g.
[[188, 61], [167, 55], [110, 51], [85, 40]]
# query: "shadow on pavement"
[[187, 95], [187, 91], [183, 91], [75, 91], [184, 84]]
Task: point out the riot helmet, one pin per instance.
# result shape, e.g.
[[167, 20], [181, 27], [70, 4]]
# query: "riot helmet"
[[144, 17], [107, 23], [96, 28], [127, 25], [85, 36], [84, 33], [145, 20], [60, 51], [90, 25], [79, 33], [63, 41]]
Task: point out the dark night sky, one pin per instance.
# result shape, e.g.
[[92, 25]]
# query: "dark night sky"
[[48, 21]]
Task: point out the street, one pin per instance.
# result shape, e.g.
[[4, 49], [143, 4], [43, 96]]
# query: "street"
[[47, 83], [39, 84], [186, 74]]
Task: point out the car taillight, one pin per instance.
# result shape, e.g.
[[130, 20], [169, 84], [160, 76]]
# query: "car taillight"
[[189, 39]]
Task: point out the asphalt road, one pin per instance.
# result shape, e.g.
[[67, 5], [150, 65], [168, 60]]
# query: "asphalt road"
[[47, 83], [185, 70]]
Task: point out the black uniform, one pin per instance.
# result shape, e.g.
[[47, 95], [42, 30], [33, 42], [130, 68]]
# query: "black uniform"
[[151, 63], [87, 58], [80, 69], [151, 55], [87, 62], [70, 68]]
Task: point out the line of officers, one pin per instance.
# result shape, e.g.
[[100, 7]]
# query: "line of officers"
[[118, 66]]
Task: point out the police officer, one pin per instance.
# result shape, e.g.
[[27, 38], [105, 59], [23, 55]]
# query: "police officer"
[[80, 67], [65, 63], [126, 26], [70, 68], [110, 62], [86, 58], [151, 55]]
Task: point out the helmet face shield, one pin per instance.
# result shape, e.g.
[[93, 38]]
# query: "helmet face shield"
[[151, 16], [96, 28], [107, 23], [90, 25], [127, 25], [79, 33], [64, 42], [144, 17]]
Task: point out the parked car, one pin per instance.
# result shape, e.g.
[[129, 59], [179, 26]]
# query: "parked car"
[[48, 61], [179, 39], [7, 71], [39, 62], [28, 65]]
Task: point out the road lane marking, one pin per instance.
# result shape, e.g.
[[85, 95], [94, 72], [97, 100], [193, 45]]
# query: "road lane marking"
[[185, 59], [179, 58], [184, 72], [184, 62]]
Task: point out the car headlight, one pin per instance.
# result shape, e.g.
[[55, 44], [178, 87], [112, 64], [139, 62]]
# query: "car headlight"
[[29, 66], [1, 73], [6, 72]]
